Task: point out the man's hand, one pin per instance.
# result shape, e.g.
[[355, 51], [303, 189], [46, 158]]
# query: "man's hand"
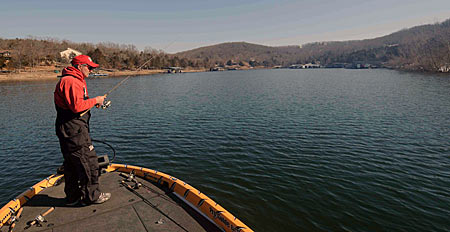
[[100, 100]]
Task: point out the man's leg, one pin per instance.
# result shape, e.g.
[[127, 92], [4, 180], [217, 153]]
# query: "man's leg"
[[71, 187], [89, 175]]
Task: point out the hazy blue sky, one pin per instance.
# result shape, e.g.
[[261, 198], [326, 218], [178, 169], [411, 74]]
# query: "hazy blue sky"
[[180, 25]]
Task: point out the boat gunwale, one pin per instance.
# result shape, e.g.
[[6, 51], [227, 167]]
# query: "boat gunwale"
[[198, 201], [13, 206], [208, 207]]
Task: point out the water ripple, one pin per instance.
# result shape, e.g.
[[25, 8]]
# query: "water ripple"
[[283, 150]]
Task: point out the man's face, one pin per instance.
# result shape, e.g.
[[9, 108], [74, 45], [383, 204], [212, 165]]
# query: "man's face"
[[85, 69]]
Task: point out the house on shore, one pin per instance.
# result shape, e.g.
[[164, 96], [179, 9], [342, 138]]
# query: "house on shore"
[[5, 53], [69, 54]]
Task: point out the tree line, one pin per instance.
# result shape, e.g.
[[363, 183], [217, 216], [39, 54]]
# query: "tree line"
[[32, 52], [425, 48]]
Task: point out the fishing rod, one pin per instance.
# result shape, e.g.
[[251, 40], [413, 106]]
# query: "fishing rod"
[[106, 103]]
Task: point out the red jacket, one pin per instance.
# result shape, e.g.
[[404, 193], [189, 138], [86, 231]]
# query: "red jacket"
[[71, 91]]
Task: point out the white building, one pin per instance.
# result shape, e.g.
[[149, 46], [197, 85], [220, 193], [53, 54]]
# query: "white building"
[[69, 53]]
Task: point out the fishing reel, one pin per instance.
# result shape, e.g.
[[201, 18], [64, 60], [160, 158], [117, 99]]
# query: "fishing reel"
[[106, 104]]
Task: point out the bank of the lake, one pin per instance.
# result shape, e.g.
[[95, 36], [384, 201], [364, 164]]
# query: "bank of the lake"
[[48, 73]]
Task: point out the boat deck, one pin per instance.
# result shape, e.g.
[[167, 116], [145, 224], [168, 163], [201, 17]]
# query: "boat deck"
[[125, 211]]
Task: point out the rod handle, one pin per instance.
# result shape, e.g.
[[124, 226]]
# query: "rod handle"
[[19, 213], [124, 175], [11, 227], [48, 211], [82, 114]]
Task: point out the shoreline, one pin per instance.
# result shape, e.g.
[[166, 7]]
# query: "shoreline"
[[48, 74]]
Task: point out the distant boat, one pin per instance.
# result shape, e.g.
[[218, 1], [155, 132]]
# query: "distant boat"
[[216, 69], [98, 75], [174, 69]]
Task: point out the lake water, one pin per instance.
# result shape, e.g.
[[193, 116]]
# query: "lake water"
[[283, 150]]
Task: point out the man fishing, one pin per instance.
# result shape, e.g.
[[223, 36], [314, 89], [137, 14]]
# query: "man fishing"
[[72, 105]]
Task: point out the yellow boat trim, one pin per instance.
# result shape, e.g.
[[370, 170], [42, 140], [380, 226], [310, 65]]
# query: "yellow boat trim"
[[14, 205], [203, 203]]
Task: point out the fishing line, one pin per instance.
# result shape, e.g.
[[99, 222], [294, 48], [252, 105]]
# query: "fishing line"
[[107, 103], [114, 88]]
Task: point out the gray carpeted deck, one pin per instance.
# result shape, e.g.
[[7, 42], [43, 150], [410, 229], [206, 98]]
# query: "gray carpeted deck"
[[125, 211]]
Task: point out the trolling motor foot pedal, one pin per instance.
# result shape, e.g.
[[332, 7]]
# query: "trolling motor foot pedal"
[[103, 161]]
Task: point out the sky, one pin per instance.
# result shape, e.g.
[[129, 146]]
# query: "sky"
[[180, 25]]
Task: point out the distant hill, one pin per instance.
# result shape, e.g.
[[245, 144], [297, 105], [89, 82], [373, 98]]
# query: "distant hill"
[[425, 47], [233, 51]]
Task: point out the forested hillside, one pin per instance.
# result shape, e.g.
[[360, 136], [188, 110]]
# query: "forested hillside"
[[31, 52], [425, 47]]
